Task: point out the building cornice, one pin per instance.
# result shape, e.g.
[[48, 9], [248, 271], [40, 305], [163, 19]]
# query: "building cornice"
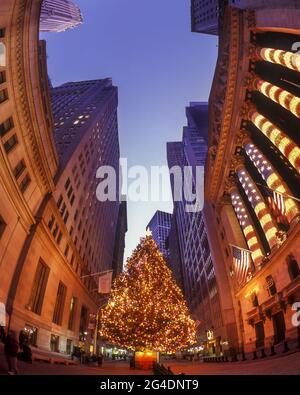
[[227, 96], [25, 92]]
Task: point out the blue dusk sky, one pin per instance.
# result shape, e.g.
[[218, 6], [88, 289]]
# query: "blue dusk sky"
[[158, 65]]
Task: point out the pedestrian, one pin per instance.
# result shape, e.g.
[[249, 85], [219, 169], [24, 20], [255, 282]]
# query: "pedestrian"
[[2, 334], [11, 348], [22, 339], [26, 354]]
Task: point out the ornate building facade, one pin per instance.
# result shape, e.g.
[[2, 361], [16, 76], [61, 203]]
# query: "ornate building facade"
[[252, 171], [53, 231]]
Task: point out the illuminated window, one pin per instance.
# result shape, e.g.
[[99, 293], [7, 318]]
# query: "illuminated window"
[[2, 55]]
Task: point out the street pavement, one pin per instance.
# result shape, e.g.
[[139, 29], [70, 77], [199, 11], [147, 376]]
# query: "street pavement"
[[279, 365]]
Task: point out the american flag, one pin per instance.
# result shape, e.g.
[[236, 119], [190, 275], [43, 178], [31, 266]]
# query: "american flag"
[[277, 206], [241, 263], [279, 201]]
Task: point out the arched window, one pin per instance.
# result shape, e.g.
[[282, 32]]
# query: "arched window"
[[271, 286], [293, 267], [2, 55]]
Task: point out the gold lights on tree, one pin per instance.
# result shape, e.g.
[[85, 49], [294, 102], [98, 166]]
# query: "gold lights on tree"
[[146, 309]]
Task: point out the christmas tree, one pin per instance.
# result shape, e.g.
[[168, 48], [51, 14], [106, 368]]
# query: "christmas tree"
[[146, 309]]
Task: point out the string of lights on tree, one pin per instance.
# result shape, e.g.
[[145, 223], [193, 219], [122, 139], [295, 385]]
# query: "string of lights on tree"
[[146, 309]]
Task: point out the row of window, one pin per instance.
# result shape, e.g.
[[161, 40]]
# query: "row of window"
[[38, 294], [294, 272]]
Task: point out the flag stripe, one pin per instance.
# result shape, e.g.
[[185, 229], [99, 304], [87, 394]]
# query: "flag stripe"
[[241, 264]]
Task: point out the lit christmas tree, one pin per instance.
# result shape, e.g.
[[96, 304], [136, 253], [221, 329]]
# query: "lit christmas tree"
[[146, 309]]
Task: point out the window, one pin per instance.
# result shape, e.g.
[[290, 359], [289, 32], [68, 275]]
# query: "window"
[[59, 238], [70, 191], [67, 184], [2, 77], [51, 222], [39, 287], [54, 343], [59, 304], [10, 143], [66, 217], [69, 346], [293, 267], [63, 209], [2, 55], [67, 250], [59, 202], [73, 306], [254, 300], [83, 323], [2, 226], [18, 170], [2, 32], [271, 285], [3, 94], [55, 230], [72, 200], [24, 183], [6, 126]]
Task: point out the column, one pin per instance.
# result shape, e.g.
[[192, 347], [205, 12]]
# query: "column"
[[281, 141], [261, 210], [284, 58], [272, 178], [247, 227], [286, 99]]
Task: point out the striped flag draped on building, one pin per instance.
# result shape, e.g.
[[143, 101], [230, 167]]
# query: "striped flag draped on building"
[[241, 263], [277, 206], [279, 201]]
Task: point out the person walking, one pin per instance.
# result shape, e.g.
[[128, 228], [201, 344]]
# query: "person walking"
[[11, 348]]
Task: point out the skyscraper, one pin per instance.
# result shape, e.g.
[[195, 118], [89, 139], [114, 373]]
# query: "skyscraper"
[[205, 16], [199, 276], [59, 15], [160, 225], [86, 136]]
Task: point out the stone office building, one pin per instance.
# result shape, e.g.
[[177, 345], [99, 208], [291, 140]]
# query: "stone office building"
[[53, 230], [254, 151]]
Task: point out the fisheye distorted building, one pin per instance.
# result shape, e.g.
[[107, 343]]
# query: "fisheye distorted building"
[[59, 15], [203, 285], [252, 171], [54, 233]]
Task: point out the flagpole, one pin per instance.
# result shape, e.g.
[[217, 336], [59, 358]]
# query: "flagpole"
[[280, 193], [240, 248]]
